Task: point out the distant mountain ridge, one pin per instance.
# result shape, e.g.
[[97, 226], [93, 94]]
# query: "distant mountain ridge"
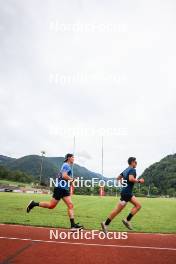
[[30, 164], [4, 159], [160, 177]]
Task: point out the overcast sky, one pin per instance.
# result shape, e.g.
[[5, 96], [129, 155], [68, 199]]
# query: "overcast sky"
[[88, 68]]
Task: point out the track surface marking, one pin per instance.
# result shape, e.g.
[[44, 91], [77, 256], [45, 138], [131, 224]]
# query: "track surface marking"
[[30, 245]]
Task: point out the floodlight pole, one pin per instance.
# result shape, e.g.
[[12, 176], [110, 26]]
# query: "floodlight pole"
[[102, 168], [148, 190], [41, 165], [74, 147], [102, 157]]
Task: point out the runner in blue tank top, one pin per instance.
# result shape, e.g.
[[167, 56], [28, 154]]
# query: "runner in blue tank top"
[[129, 175], [61, 191]]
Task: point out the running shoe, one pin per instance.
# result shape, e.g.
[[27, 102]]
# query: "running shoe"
[[30, 206], [76, 227], [104, 227], [127, 224]]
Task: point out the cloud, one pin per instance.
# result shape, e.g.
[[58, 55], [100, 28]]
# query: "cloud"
[[83, 154], [140, 53]]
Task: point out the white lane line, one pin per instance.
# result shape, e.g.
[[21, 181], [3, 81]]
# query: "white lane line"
[[86, 244]]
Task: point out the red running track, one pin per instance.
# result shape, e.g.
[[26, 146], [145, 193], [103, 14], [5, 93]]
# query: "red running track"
[[32, 245]]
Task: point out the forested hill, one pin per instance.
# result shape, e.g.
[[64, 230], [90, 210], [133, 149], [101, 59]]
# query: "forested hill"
[[162, 175], [31, 165]]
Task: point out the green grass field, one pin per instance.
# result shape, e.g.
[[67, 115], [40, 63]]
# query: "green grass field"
[[156, 215], [14, 183]]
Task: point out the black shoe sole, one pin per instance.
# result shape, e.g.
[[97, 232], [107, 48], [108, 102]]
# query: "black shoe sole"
[[27, 208], [74, 229], [126, 225]]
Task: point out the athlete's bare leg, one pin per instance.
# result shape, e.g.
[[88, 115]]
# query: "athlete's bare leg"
[[50, 205], [120, 206], [137, 205], [134, 210], [70, 208]]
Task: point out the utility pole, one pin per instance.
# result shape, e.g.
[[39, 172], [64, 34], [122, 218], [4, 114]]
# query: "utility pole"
[[101, 190], [74, 147], [41, 165], [74, 144], [148, 190], [102, 157]]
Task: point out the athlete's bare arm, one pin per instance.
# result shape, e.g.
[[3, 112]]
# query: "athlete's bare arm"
[[119, 177], [66, 177], [133, 179]]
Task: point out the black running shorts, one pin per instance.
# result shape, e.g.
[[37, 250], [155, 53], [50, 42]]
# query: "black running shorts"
[[126, 197], [59, 193]]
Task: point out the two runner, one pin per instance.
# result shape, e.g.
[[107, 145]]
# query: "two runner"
[[62, 192]]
